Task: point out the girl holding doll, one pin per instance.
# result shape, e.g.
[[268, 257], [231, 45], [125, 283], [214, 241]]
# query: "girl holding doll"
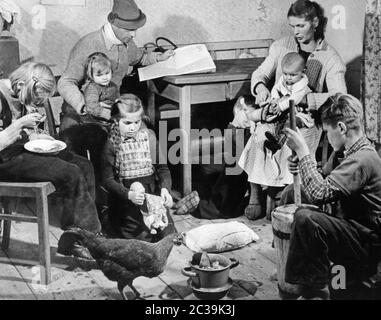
[[131, 155]]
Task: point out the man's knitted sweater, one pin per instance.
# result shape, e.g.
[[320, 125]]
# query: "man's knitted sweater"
[[123, 57]]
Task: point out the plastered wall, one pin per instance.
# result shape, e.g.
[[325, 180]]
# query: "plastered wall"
[[47, 32]]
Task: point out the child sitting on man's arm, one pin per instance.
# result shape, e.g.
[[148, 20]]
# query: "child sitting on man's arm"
[[101, 93]]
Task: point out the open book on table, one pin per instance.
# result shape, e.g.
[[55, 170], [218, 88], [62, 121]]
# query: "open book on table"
[[188, 59]]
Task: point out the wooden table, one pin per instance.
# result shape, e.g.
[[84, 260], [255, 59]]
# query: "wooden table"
[[231, 79]]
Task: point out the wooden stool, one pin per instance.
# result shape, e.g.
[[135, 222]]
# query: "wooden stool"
[[40, 192]]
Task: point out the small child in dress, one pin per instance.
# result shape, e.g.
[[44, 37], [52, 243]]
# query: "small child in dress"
[[247, 114], [244, 104], [132, 155], [101, 93], [263, 155], [292, 85]]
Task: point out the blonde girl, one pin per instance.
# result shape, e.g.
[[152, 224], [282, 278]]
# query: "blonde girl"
[[131, 155], [22, 95]]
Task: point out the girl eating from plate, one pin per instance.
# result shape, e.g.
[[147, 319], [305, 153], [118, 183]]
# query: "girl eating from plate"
[[26, 90]]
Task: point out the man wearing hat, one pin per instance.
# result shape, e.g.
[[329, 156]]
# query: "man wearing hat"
[[115, 39]]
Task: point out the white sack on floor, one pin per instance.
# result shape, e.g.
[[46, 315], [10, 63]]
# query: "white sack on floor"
[[219, 237]]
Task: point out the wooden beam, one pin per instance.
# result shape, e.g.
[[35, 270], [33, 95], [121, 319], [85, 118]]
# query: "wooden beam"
[[25, 189], [18, 217]]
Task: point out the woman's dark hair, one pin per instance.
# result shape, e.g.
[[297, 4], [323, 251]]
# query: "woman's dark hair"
[[310, 10]]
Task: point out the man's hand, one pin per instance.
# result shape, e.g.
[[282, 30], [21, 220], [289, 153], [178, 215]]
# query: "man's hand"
[[293, 164], [136, 197], [165, 55], [106, 111], [296, 142], [167, 198]]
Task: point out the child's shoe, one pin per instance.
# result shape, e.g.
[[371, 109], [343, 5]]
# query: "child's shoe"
[[254, 211], [188, 204]]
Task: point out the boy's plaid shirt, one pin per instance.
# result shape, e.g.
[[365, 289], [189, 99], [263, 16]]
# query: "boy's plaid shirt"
[[320, 190]]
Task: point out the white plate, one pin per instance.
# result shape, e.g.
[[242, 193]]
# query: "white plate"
[[45, 146]]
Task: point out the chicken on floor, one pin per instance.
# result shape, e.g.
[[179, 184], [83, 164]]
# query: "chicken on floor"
[[123, 260]]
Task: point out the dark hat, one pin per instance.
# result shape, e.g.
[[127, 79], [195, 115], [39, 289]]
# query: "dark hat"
[[125, 14]]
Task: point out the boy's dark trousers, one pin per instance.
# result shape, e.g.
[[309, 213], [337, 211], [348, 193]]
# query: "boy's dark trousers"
[[319, 241]]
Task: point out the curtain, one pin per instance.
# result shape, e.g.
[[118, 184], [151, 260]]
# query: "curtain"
[[371, 71]]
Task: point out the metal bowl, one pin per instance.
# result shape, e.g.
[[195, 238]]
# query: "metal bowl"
[[211, 278], [211, 293]]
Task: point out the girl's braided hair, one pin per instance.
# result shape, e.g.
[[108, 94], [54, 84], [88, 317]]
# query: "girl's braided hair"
[[33, 83], [129, 103]]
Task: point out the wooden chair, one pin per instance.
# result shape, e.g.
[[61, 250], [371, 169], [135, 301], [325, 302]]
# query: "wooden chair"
[[51, 125], [39, 191]]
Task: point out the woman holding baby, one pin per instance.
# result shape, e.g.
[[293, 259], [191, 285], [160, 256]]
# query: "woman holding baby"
[[325, 71]]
